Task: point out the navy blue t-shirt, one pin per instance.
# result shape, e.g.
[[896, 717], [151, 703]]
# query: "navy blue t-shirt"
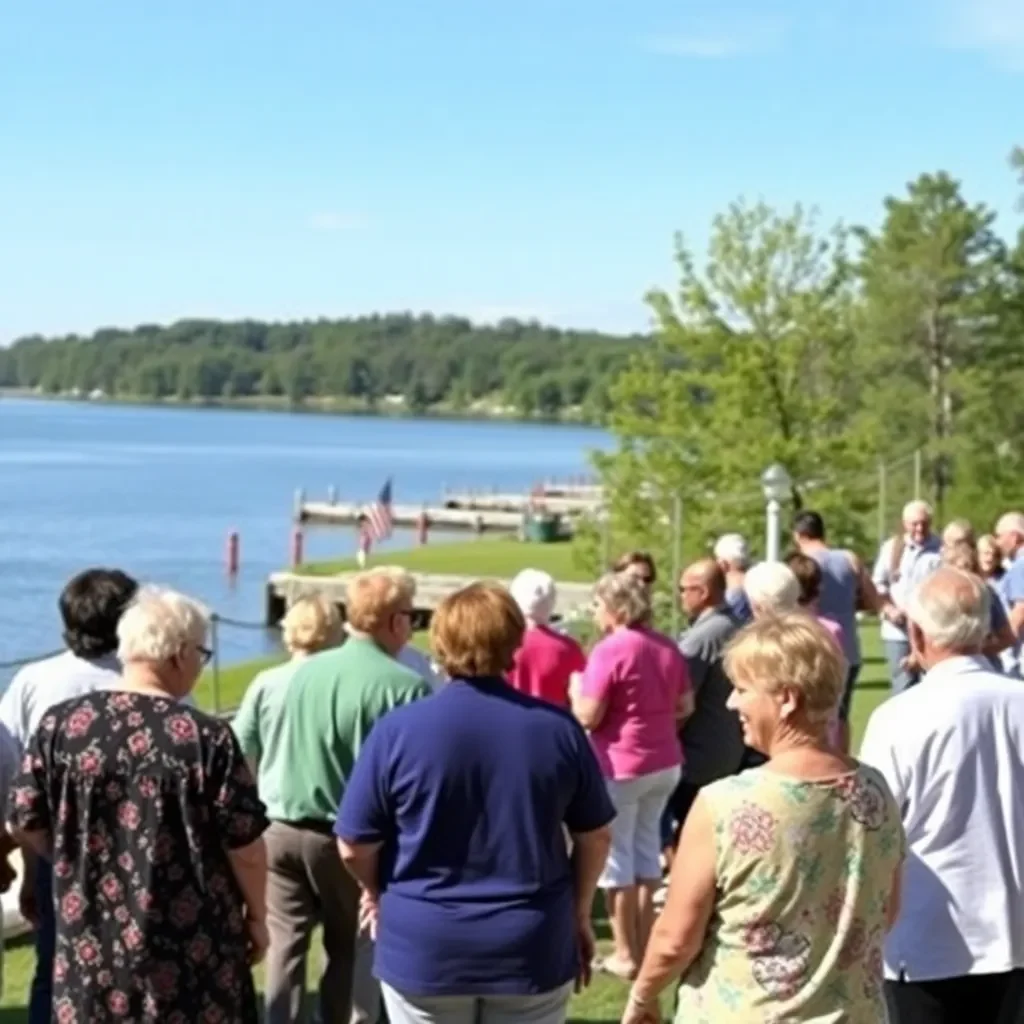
[[469, 790]]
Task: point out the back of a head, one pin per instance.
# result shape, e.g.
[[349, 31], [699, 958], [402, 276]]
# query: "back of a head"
[[731, 549], [312, 624], [476, 631], [961, 554], [951, 608], [957, 531], [809, 525], [373, 597], [534, 591], [633, 560], [91, 605], [808, 576], [158, 625], [1010, 522], [772, 587], [624, 597]]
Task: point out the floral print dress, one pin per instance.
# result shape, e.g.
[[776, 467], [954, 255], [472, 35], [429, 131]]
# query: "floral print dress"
[[143, 798], [804, 874]]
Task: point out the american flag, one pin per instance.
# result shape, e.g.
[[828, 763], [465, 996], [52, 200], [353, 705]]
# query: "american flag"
[[378, 523]]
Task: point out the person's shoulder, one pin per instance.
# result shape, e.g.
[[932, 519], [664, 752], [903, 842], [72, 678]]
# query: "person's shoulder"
[[46, 670]]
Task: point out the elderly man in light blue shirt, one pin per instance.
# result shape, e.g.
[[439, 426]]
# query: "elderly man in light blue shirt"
[[904, 562], [1010, 537]]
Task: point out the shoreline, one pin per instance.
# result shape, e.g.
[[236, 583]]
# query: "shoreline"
[[316, 407]]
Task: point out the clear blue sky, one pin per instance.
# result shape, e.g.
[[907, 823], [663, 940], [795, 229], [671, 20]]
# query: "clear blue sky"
[[523, 157]]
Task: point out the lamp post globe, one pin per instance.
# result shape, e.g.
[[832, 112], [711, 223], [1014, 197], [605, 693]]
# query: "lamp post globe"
[[776, 483]]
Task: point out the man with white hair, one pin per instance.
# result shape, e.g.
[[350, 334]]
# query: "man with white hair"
[[733, 556], [903, 562], [952, 752], [546, 660]]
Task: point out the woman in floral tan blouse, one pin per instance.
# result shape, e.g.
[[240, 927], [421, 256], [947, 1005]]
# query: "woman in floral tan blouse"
[[787, 876], [151, 818]]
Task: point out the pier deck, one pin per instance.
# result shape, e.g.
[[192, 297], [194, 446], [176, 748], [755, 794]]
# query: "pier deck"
[[325, 513], [284, 588]]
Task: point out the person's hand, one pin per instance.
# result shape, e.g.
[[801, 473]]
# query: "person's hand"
[[27, 906], [897, 616], [637, 1012], [259, 939], [575, 685], [7, 874], [369, 911], [586, 947]]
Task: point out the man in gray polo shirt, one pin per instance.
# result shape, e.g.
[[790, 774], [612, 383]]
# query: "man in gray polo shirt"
[[712, 738]]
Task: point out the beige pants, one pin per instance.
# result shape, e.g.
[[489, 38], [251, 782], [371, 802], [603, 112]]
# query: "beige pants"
[[308, 885], [547, 1008]]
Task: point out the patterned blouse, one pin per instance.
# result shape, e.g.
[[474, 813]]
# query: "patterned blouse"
[[143, 798], [804, 874]]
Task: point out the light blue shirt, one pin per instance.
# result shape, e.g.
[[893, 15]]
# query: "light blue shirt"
[[917, 562]]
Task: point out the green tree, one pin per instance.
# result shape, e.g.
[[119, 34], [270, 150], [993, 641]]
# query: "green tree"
[[932, 283], [752, 363]]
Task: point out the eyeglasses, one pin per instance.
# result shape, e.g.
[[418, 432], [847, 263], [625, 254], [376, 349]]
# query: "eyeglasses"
[[205, 654]]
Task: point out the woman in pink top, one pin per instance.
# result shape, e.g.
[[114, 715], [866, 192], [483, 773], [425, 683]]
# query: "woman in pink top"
[[547, 660], [632, 696]]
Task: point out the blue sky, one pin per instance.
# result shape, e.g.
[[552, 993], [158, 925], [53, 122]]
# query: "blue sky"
[[488, 157]]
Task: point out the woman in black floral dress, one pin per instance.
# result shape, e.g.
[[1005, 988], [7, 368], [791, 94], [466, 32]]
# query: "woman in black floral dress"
[[154, 825]]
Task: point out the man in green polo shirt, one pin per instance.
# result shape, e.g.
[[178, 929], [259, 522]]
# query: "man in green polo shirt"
[[332, 703]]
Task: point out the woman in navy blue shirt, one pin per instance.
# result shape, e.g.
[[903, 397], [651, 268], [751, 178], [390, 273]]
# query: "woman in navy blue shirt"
[[454, 822]]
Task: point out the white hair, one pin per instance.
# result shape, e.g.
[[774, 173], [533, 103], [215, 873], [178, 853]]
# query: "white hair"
[[951, 608], [158, 625], [772, 587], [535, 593], [732, 549], [1011, 522], [915, 508]]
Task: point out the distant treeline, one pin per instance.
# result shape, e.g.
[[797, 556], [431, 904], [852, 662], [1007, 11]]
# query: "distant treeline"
[[415, 363]]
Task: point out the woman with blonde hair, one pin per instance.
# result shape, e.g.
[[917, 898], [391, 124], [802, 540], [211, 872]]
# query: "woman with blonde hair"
[[312, 624], [787, 876], [632, 697], [453, 822], [990, 558]]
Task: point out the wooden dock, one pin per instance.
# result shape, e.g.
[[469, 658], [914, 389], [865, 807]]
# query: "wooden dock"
[[556, 504], [326, 513], [284, 588]]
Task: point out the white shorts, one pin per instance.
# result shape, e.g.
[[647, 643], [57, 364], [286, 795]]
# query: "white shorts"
[[635, 855]]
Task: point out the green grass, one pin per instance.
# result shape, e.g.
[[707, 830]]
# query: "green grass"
[[604, 1000], [498, 558]]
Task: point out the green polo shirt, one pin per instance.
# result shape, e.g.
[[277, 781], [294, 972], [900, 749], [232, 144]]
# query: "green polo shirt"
[[333, 701]]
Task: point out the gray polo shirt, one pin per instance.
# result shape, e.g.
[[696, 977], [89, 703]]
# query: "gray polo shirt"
[[712, 737]]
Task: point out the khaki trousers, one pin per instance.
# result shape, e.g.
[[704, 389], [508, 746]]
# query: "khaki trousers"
[[308, 885]]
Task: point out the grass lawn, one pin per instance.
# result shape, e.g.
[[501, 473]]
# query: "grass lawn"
[[497, 558], [603, 1001]]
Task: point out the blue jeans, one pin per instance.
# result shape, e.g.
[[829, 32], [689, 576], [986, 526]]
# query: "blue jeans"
[[900, 679], [40, 1009]]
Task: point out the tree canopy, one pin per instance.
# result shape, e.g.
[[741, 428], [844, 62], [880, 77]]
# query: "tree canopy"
[[415, 363], [847, 355]]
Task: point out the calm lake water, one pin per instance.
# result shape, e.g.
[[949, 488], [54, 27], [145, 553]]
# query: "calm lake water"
[[156, 492]]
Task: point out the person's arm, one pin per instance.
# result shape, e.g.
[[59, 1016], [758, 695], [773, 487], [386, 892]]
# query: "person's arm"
[[879, 752], [239, 820], [868, 598], [880, 577], [680, 930], [246, 724], [29, 812], [589, 699], [895, 901], [364, 814]]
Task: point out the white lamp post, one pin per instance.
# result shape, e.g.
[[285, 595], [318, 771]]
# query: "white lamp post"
[[776, 483]]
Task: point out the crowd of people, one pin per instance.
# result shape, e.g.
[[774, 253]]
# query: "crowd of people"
[[451, 824]]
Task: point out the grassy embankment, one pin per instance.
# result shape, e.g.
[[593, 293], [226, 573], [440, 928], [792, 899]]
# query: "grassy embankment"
[[603, 1001]]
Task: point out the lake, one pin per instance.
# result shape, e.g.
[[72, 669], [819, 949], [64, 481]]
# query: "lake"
[[156, 491]]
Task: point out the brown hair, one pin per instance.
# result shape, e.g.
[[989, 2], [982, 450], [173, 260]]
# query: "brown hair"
[[373, 597], [808, 575], [631, 558], [312, 624], [476, 631], [963, 555]]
